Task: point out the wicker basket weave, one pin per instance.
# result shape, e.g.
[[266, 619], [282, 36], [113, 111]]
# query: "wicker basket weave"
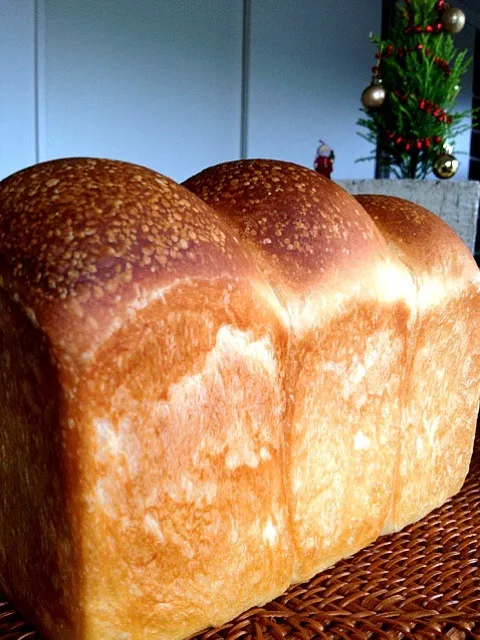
[[421, 583]]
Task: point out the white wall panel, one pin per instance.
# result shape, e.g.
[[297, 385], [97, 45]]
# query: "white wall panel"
[[310, 61], [157, 82], [17, 85]]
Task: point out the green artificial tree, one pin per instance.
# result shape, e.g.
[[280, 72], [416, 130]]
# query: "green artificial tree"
[[409, 109]]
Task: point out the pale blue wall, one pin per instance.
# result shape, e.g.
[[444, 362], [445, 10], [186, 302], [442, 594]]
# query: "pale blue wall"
[[159, 82], [310, 61], [17, 85]]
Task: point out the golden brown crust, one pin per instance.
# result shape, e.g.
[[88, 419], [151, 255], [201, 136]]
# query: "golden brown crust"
[[443, 377], [170, 438], [184, 465], [199, 444], [85, 223], [308, 229], [348, 300], [39, 550], [424, 242], [81, 237]]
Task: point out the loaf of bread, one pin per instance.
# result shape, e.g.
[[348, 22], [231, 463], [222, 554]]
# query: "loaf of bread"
[[209, 392]]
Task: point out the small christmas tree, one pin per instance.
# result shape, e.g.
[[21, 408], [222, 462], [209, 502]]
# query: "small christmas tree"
[[409, 107]]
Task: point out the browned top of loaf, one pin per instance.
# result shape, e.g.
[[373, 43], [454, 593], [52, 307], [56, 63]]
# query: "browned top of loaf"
[[86, 228], [424, 242], [307, 227]]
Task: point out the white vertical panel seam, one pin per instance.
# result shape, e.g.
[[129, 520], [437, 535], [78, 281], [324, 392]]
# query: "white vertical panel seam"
[[39, 72], [245, 106]]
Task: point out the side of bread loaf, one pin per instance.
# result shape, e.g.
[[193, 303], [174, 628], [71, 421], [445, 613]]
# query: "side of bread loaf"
[[39, 558], [443, 381]]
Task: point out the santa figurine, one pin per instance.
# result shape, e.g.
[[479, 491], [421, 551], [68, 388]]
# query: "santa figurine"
[[324, 159]]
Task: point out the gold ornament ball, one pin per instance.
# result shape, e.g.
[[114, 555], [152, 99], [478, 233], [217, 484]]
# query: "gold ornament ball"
[[445, 166], [453, 20], [373, 96]]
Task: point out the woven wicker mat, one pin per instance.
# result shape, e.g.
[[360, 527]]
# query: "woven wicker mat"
[[423, 582]]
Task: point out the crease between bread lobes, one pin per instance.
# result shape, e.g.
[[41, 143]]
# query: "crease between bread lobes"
[[234, 383]]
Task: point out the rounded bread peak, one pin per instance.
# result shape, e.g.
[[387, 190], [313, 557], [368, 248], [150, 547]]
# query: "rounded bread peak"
[[86, 227], [304, 224], [422, 239]]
